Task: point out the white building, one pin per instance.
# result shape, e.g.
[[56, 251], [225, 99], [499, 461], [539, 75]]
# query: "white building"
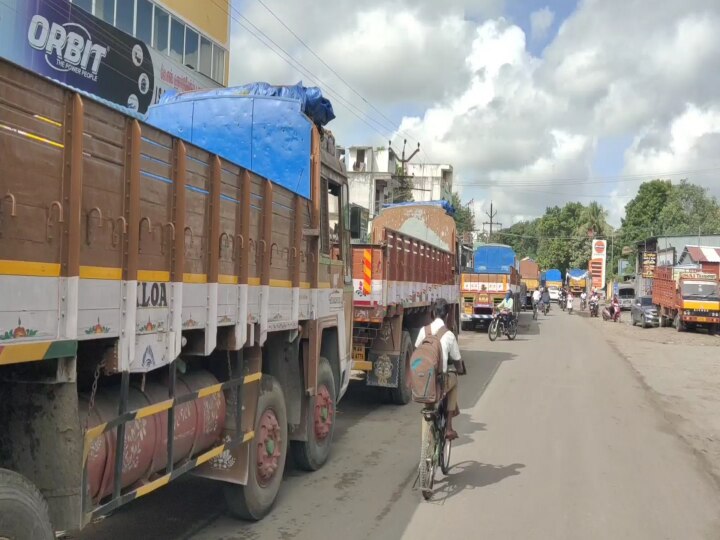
[[431, 181], [370, 177]]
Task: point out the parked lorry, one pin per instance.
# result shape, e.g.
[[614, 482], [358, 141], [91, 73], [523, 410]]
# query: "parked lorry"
[[164, 306], [494, 274], [576, 280], [412, 261], [686, 299], [530, 277]]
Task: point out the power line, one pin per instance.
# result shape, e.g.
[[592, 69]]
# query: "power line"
[[333, 71], [583, 180], [297, 65]]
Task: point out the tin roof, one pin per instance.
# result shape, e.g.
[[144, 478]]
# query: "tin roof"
[[703, 253]]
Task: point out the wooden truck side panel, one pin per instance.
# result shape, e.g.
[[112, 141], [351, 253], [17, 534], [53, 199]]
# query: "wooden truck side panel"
[[123, 244]]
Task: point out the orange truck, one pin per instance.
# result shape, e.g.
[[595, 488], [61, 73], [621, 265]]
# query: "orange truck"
[[494, 274], [685, 298], [165, 309], [411, 262]]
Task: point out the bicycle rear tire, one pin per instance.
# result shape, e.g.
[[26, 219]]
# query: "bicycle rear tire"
[[445, 451], [426, 467], [493, 330]]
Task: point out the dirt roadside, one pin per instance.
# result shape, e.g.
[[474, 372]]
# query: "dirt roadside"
[[682, 370]]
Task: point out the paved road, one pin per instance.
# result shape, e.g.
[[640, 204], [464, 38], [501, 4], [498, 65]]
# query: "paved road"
[[565, 443]]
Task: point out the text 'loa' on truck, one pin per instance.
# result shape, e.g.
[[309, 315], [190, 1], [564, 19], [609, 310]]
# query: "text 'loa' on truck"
[[494, 273], [412, 261], [686, 298], [175, 296]]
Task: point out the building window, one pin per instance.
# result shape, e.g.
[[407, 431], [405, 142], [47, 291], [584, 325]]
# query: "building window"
[[84, 4], [105, 10], [177, 40], [160, 30], [191, 48], [125, 16], [205, 57], [218, 65], [143, 21], [359, 164]]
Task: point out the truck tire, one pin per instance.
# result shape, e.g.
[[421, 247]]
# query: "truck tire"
[[403, 393], [23, 511], [268, 451], [312, 454], [679, 326]]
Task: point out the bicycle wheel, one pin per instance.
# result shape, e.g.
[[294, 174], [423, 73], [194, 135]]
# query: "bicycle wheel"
[[493, 330], [535, 313], [445, 450], [512, 331], [427, 459]]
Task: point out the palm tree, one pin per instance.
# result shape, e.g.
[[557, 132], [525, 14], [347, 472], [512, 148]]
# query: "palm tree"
[[592, 220]]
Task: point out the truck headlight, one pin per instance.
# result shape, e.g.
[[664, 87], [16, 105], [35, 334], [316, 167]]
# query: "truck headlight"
[[686, 312]]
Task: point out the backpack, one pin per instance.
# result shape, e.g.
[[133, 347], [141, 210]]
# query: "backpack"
[[426, 367]]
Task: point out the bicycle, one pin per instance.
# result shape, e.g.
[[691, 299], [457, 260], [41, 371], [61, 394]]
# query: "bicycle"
[[535, 311], [435, 449], [499, 327]]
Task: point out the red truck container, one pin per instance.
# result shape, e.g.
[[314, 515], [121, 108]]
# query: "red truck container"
[[686, 299], [411, 263]]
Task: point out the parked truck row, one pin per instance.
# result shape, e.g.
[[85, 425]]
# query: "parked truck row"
[[179, 294]]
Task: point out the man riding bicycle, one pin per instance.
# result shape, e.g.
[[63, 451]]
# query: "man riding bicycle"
[[450, 351]]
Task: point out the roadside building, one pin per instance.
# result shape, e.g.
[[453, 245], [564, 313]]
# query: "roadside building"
[[431, 181], [707, 258], [664, 251]]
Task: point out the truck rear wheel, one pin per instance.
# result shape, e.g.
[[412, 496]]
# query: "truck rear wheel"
[[23, 511], [403, 393], [312, 454], [268, 450]]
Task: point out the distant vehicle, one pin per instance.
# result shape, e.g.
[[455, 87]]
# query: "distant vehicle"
[[626, 295], [686, 299], [644, 312], [554, 293], [553, 278]]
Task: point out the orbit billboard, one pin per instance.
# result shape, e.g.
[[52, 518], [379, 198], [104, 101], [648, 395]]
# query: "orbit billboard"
[[61, 41]]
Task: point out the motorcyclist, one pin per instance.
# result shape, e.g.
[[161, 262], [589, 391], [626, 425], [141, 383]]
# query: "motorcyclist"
[[615, 307], [583, 300], [506, 307], [570, 299], [562, 296], [536, 298], [451, 356]]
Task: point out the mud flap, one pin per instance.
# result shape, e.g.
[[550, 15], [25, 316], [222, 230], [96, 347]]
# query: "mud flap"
[[385, 369]]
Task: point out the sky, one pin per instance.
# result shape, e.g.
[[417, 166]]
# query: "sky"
[[533, 102]]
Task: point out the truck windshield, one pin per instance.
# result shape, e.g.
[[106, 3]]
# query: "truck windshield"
[[704, 289]]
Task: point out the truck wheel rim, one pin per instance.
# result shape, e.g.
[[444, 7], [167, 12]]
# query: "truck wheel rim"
[[324, 413], [269, 444]]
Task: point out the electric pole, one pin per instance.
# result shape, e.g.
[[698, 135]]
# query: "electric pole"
[[403, 176], [491, 215]]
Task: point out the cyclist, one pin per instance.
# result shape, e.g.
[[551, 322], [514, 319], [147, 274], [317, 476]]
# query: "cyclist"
[[451, 351], [536, 297], [545, 297]]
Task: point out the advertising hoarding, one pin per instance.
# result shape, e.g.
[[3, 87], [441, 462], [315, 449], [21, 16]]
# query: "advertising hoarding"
[[60, 41]]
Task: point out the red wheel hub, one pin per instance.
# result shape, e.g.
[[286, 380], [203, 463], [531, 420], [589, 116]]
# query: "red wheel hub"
[[269, 443], [324, 412]]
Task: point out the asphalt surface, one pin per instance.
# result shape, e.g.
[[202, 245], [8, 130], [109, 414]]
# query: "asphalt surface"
[[559, 439]]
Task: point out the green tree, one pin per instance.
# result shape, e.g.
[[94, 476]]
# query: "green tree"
[[641, 213], [522, 237], [403, 186], [464, 216], [593, 221], [689, 210]]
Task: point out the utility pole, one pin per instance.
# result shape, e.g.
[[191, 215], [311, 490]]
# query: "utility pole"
[[403, 163], [491, 215]]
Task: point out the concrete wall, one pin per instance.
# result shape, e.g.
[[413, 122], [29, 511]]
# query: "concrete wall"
[[432, 181]]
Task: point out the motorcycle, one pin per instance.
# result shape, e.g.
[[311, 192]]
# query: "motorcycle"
[[500, 326], [583, 304], [607, 315], [546, 307], [593, 308], [562, 301]]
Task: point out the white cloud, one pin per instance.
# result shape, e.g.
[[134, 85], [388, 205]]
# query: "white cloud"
[[515, 123], [540, 23]]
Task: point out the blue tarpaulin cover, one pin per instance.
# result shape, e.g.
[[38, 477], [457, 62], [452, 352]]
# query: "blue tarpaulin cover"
[[267, 135], [449, 208], [494, 259], [577, 273], [311, 100], [553, 275]]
